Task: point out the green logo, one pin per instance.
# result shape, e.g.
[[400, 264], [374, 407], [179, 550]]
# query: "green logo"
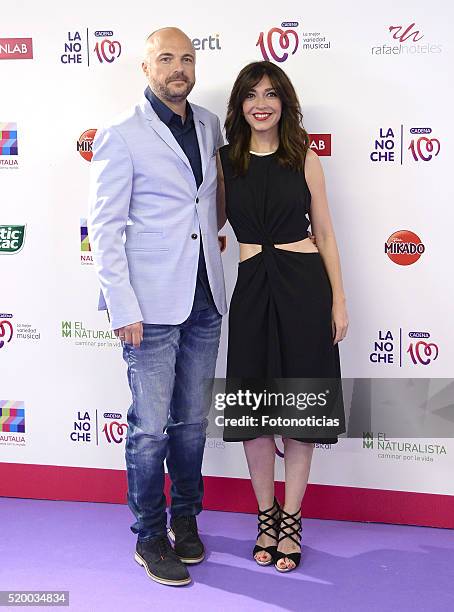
[[66, 329], [76, 329], [11, 238], [368, 439]]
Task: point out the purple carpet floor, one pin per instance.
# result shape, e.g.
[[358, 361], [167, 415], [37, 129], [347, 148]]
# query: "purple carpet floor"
[[87, 549]]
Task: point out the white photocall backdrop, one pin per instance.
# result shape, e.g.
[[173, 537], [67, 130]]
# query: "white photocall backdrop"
[[374, 87]]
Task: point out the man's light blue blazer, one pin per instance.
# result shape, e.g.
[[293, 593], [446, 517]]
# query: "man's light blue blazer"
[[147, 217]]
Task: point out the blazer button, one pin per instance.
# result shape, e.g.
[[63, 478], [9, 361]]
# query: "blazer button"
[[197, 200], [194, 236]]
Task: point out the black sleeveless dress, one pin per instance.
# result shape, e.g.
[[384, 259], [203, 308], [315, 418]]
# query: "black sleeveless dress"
[[280, 311]]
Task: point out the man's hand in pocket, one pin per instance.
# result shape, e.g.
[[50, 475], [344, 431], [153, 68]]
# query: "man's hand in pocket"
[[131, 334]]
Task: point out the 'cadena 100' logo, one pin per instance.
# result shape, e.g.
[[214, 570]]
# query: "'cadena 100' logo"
[[77, 47], [420, 351], [278, 44], [279, 40], [106, 49], [423, 148], [85, 143], [114, 431], [404, 247], [391, 141], [389, 347], [6, 329]]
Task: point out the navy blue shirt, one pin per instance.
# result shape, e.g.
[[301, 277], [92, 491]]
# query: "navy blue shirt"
[[186, 137]]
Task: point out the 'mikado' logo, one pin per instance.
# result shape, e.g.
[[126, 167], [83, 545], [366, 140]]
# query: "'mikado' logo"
[[404, 247], [85, 143]]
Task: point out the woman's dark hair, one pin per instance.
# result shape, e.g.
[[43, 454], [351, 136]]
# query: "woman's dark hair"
[[293, 138]]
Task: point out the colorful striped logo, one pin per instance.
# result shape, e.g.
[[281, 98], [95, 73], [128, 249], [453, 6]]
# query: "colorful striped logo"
[[8, 138], [84, 241], [12, 416]]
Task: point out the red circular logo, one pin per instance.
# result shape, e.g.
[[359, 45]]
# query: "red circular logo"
[[84, 144], [404, 247]]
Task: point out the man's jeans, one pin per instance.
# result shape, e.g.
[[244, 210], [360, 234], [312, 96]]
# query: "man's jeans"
[[168, 376]]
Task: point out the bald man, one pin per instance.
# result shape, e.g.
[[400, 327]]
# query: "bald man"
[[153, 228]]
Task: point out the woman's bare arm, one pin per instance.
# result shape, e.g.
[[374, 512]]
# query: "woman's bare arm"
[[323, 230]]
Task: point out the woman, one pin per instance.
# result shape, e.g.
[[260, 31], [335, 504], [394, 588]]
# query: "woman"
[[288, 310]]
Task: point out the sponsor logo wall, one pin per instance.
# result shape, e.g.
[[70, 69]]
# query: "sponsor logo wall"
[[376, 102]]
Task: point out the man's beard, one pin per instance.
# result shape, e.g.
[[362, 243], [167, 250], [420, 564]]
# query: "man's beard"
[[164, 92]]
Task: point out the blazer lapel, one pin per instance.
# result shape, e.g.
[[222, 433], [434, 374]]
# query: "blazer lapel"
[[163, 131], [201, 137]]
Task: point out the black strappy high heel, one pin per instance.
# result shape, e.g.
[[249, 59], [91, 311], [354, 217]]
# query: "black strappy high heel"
[[292, 526], [268, 519]]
